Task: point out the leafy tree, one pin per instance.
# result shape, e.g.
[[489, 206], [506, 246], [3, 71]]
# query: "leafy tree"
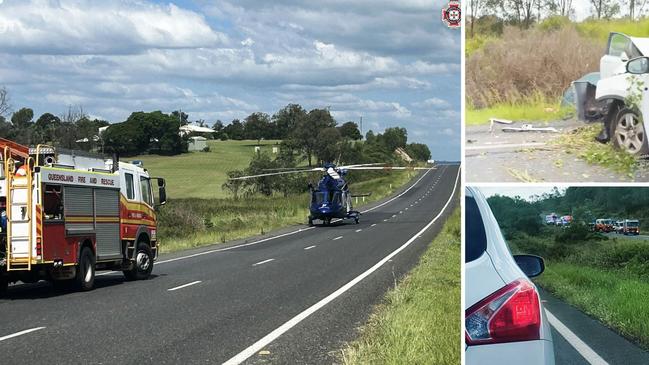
[[287, 119], [234, 130], [181, 117], [328, 145], [350, 130], [257, 126], [393, 138], [45, 128], [418, 151], [219, 129], [306, 132]]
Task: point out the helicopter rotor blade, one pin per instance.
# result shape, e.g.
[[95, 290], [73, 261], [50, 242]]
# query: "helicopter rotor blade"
[[320, 169], [387, 168], [361, 165]]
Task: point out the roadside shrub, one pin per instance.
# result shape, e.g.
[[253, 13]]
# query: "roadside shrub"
[[577, 233], [529, 64]]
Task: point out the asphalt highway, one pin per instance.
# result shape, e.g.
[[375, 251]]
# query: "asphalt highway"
[[293, 297]]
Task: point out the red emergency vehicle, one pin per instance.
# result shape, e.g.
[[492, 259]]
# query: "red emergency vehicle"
[[66, 214]]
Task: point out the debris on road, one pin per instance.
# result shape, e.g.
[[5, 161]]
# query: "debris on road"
[[530, 128]]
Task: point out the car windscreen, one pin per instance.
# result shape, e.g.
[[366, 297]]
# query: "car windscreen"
[[632, 224], [476, 238]]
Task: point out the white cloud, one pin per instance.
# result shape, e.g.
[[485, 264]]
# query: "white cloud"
[[91, 27], [434, 103]]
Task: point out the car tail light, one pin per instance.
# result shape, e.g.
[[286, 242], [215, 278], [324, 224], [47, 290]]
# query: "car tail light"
[[513, 313]]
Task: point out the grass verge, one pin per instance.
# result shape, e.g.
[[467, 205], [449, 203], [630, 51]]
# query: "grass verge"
[[532, 111], [616, 299], [192, 222], [418, 323], [582, 144], [182, 171]]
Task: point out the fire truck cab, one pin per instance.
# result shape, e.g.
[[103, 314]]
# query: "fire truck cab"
[[65, 214]]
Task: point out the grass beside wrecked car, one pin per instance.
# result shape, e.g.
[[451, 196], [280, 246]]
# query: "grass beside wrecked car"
[[419, 321], [582, 143], [529, 111]]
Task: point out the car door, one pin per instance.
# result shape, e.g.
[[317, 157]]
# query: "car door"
[[619, 50]]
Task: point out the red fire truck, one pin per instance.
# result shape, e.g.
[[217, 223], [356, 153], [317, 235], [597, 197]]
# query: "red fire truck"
[[67, 213]]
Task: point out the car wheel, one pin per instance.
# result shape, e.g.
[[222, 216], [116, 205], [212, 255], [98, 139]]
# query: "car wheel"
[[629, 133], [143, 265], [85, 278]]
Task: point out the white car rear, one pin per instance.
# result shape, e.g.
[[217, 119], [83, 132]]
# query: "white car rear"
[[504, 319]]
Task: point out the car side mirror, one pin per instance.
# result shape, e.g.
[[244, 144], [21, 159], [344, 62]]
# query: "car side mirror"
[[531, 265], [638, 65]]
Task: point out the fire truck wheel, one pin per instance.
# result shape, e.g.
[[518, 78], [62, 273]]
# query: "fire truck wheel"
[[143, 263], [85, 279]]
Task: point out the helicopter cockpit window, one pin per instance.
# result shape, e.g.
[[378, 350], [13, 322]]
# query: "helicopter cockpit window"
[[336, 198], [318, 197]]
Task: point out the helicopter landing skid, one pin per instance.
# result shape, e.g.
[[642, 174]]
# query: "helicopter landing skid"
[[353, 214]]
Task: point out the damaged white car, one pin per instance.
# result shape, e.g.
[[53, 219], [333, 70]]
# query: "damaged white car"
[[619, 98]]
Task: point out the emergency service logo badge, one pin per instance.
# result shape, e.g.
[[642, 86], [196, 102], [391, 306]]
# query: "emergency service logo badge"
[[452, 14]]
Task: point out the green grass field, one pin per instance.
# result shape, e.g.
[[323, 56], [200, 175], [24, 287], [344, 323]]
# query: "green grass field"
[[419, 321], [201, 174]]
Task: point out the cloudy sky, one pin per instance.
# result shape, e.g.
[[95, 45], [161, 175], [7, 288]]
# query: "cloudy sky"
[[392, 62]]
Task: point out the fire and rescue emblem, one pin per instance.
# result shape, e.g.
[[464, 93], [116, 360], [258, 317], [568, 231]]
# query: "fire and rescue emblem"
[[452, 15]]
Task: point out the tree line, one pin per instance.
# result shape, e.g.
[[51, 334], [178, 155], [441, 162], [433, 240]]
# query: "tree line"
[[585, 204], [306, 136], [492, 15]]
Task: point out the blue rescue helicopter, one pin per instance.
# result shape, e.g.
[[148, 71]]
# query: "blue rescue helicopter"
[[331, 198]]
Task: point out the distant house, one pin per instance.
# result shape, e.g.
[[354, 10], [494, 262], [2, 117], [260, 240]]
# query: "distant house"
[[194, 129], [197, 143]]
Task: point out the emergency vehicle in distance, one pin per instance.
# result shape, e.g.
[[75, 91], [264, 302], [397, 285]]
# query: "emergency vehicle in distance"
[[68, 213]]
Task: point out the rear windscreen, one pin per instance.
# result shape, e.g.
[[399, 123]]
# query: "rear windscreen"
[[476, 238]]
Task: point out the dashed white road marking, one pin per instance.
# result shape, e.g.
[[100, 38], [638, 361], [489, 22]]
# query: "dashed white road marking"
[[20, 333], [584, 350], [358, 230], [276, 333], [385, 220], [263, 262], [373, 225], [394, 215], [310, 247], [337, 238], [184, 285]]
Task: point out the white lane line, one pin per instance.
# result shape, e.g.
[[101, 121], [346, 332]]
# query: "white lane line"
[[358, 230], [310, 247], [400, 195], [584, 350], [263, 262], [394, 215], [281, 235], [185, 285], [385, 220], [337, 238], [20, 333], [373, 225], [272, 336], [233, 247]]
